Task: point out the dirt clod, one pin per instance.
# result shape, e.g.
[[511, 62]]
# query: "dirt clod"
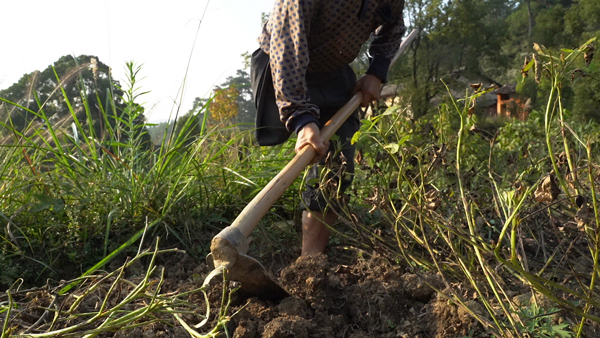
[[287, 327]]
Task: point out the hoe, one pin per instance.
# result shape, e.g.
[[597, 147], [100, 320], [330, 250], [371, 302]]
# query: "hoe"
[[228, 248]]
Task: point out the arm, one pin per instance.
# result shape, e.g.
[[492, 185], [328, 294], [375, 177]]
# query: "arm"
[[287, 31], [386, 39], [288, 28]]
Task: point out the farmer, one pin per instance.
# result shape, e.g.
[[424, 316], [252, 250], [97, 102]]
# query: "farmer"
[[301, 78]]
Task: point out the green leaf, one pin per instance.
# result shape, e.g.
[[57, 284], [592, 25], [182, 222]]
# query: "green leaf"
[[313, 181], [403, 140], [355, 137], [559, 329], [586, 44], [118, 144], [529, 65], [391, 110], [392, 148], [366, 125], [46, 203]]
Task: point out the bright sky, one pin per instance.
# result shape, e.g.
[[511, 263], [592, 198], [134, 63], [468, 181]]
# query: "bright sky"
[[159, 35]]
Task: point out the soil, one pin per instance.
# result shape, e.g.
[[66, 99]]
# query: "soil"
[[368, 298]]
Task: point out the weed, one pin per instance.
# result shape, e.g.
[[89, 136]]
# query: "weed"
[[538, 323]]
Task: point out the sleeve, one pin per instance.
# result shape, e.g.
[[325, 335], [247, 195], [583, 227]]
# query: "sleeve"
[[386, 39], [288, 26]]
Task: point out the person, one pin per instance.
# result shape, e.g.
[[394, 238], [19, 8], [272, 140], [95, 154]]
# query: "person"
[[301, 76]]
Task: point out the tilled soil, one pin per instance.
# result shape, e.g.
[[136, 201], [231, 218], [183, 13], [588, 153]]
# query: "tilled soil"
[[368, 299]]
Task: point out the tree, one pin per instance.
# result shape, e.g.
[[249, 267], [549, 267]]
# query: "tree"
[[77, 87], [85, 80], [224, 106], [231, 103], [456, 38]]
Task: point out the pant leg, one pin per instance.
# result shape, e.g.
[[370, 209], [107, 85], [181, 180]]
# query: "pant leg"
[[327, 181]]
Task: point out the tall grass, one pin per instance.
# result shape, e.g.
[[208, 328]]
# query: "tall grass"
[[82, 192], [77, 188]]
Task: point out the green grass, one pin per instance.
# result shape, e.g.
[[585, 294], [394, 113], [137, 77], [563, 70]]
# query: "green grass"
[[71, 196]]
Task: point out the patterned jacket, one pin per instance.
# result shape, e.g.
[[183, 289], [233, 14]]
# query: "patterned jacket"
[[320, 36]]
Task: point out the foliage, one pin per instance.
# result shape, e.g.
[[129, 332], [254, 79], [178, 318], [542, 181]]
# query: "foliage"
[[446, 196], [231, 103], [71, 195], [494, 211], [58, 89], [223, 106], [463, 42], [538, 323]]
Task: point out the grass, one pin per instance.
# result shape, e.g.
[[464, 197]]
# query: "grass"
[[125, 303], [78, 194], [71, 196], [432, 195]]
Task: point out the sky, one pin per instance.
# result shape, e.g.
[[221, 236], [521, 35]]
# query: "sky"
[[158, 35]]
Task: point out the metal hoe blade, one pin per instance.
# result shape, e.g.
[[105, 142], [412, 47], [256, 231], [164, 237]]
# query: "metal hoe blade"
[[244, 269]]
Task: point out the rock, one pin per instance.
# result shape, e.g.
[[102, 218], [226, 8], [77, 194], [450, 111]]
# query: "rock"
[[421, 287], [292, 306], [287, 327]]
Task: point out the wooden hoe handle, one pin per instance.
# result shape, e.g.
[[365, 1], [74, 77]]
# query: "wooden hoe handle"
[[247, 220], [262, 202]]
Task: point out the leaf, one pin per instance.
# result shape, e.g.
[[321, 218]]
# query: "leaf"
[[313, 181], [586, 44], [559, 329], [355, 137], [40, 206], [484, 91], [46, 203], [117, 144], [391, 110], [548, 191], [403, 140], [567, 50], [366, 125], [528, 64], [539, 48], [59, 206], [392, 148]]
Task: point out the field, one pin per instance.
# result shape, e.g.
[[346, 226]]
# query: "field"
[[457, 226]]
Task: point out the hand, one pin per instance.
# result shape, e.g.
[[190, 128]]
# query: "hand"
[[310, 135], [370, 86]]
